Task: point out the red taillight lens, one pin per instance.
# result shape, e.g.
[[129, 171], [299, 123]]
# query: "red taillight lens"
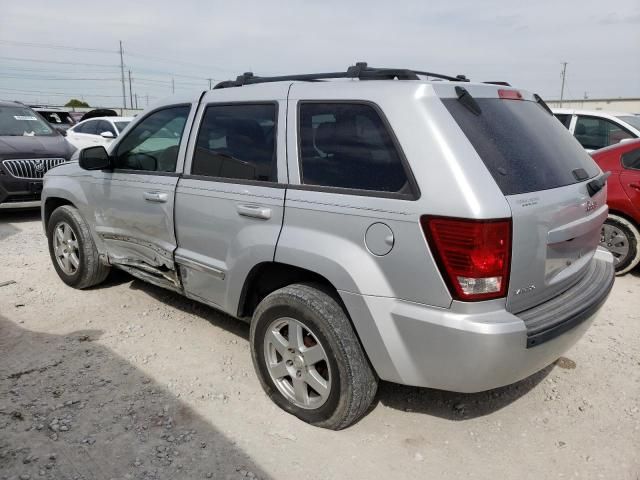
[[509, 94], [474, 255]]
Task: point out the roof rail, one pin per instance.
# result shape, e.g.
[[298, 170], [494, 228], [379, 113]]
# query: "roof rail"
[[360, 71]]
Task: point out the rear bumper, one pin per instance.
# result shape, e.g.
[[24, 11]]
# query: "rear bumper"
[[472, 347]]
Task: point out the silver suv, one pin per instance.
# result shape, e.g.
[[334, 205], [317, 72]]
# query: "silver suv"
[[392, 225]]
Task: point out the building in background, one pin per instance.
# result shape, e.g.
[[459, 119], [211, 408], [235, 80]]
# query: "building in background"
[[630, 105]]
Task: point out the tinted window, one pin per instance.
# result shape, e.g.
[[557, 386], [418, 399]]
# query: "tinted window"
[[631, 159], [594, 133], [524, 147], [89, 127], [564, 118], [104, 126], [238, 142], [152, 145], [347, 145]]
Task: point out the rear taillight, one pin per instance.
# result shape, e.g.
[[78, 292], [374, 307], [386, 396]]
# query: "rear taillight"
[[509, 94], [474, 256]]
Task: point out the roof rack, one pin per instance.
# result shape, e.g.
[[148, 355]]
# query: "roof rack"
[[360, 71]]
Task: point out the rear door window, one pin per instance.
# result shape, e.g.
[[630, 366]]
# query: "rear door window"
[[594, 133], [631, 160], [523, 147], [348, 145], [237, 142], [105, 126], [89, 127]]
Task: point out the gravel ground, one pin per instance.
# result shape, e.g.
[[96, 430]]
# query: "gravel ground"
[[127, 381]]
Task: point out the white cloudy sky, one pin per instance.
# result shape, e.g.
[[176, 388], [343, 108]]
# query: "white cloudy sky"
[[191, 40]]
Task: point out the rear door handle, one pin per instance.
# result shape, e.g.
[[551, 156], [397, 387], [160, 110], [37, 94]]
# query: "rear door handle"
[[634, 185], [157, 197], [255, 211]]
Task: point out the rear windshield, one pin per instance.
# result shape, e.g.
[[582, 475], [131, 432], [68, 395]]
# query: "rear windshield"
[[19, 121], [521, 144]]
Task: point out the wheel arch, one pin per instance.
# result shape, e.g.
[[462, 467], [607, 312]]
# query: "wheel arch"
[[267, 277]]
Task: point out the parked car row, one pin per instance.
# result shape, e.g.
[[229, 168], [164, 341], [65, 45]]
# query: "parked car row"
[[31, 146], [595, 129], [442, 234]]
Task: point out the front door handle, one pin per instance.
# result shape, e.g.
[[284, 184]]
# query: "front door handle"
[[157, 197], [634, 185], [255, 211]]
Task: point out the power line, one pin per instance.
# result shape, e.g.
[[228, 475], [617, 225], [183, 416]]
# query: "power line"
[[42, 92], [180, 62], [23, 77], [34, 60], [55, 47]]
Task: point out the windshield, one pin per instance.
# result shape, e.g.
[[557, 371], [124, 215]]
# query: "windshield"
[[633, 120], [19, 121], [524, 147], [121, 125]]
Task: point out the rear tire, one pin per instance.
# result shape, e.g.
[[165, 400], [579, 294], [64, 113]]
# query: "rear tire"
[[321, 375], [622, 238], [72, 250]]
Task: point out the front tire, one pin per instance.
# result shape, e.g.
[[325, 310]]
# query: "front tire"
[[308, 358], [622, 238], [72, 250]]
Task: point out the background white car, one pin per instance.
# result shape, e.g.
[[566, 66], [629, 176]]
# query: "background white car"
[[596, 129], [97, 131]]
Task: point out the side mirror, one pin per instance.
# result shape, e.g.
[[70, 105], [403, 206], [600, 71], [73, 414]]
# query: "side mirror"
[[107, 135], [94, 158]]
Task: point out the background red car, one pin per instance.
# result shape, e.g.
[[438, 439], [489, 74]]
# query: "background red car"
[[621, 231]]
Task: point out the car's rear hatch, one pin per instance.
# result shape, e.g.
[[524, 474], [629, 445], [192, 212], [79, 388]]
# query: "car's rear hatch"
[[543, 173]]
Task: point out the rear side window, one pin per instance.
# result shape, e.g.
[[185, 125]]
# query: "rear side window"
[[347, 145], [594, 133], [105, 126], [631, 160], [87, 127], [524, 147], [237, 142]]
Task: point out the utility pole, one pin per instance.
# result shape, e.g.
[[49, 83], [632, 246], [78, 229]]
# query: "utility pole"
[[173, 86], [210, 79], [124, 93], [136, 97], [564, 73], [130, 92]]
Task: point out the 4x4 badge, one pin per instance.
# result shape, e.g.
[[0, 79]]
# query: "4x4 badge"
[[591, 206]]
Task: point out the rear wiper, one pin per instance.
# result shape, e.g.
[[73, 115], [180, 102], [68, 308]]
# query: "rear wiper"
[[542, 103], [465, 98], [595, 185]]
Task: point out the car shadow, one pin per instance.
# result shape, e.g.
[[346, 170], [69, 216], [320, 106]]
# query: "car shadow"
[[184, 304], [456, 406], [72, 408], [439, 403], [9, 218]]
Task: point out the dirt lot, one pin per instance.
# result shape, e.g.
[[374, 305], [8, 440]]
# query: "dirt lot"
[[129, 381]]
